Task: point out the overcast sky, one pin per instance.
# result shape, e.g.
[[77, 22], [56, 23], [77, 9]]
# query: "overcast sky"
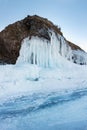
[[70, 15]]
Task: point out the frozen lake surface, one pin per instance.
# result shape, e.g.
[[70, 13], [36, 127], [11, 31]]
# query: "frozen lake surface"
[[40, 111], [35, 98]]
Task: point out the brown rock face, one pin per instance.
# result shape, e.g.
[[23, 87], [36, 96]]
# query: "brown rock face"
[[12, 36]]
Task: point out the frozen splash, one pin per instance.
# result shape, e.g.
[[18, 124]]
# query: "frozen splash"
[[45, 53]]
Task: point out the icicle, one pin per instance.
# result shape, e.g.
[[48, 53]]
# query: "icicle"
[[46, 53]]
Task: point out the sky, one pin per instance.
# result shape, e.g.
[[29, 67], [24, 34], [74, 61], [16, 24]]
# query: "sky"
[[70, 15]]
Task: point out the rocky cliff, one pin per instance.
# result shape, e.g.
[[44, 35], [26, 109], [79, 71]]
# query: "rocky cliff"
[[13, 36]]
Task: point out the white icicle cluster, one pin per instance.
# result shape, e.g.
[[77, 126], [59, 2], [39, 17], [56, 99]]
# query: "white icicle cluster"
[[43, 52]]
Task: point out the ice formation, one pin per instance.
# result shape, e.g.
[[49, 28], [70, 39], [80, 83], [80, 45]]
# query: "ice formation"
[[47, 53]]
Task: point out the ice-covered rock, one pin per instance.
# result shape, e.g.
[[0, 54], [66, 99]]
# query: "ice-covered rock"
[[47, 53], [44, 43]]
